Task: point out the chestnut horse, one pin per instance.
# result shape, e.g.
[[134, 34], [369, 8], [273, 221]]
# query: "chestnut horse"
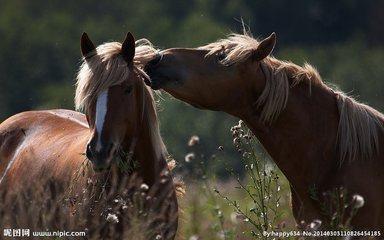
[[320, 138], [120, 116]]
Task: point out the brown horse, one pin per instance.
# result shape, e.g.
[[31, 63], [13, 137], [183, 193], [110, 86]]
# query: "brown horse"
[[120, 116], [320, 138]]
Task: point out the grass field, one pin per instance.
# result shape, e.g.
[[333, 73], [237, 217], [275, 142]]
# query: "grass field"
[[240, 207]]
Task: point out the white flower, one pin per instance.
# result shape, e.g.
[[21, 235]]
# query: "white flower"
[[144, 187], [189, 157], [194, 237], [357, 201], [194, 140], [112, 218], [315, 224], [240, 124]]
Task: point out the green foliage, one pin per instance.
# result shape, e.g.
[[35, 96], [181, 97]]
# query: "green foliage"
[[262, 188]]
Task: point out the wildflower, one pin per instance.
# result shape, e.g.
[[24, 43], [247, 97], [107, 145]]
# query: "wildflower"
[[165, 173], [171, 163], [236, 130], [234, 217], [194, 237], [189, 157], [247, 137], [112, 218], [358, 201], [219, 213], [241, 217], [238, 126], [163, 180], [89, 181], [144, 187], [194, 140], [315, 224]]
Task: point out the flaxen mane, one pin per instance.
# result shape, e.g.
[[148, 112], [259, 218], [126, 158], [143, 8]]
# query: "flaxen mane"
[[359, 124]]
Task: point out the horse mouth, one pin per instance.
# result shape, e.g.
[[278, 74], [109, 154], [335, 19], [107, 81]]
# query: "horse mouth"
[[154, 83], [157, 82]]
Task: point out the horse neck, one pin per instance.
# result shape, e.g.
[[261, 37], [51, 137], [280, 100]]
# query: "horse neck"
[[150, 151], [302, 139]]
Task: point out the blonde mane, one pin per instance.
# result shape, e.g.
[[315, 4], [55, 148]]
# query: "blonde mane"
[[105, 68], [359, 124]]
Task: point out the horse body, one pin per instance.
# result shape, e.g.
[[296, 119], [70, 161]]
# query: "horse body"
[[62, 135], [302, 143], [69, 148], [320, 138]]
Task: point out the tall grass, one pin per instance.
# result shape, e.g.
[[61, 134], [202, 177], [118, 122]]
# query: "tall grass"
[[246, 206], [120, 209], [242, 207]]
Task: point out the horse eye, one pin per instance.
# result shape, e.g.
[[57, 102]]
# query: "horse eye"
[[128, 90]]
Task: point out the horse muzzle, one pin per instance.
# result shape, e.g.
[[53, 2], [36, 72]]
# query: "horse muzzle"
[[101, 159]]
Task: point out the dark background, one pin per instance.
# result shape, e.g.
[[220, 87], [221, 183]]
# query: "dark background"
[[39, 50]]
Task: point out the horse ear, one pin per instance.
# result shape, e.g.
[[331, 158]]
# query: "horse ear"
[[265, 48], [87, 45], [128, 48]]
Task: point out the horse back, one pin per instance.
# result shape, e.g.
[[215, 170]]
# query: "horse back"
[[35, 143]]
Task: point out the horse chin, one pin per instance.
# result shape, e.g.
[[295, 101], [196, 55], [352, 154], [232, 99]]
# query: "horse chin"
[[101, 166], [154, 82]]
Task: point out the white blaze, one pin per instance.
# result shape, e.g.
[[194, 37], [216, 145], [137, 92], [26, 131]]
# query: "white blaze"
[[101, 112]]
